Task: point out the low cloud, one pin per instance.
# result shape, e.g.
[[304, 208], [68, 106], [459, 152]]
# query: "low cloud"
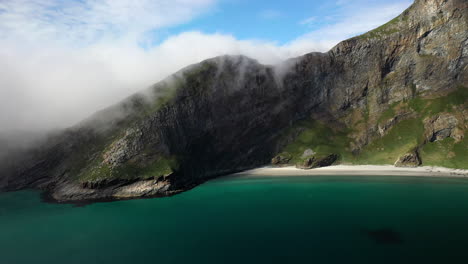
[[60, 63], [56, 86]]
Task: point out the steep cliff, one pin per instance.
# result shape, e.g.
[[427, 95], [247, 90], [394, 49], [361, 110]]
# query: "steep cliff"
[[375, 98], [382, 85]]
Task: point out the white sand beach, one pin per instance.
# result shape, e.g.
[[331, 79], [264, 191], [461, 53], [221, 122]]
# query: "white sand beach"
[[354, 170]]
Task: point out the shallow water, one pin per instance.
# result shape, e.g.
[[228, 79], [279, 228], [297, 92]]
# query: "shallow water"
[[329, 219]]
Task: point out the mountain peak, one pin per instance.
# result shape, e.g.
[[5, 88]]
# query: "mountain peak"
[[372, 99]]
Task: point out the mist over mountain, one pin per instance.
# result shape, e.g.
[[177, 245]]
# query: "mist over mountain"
[[394, 95], [61, 61]]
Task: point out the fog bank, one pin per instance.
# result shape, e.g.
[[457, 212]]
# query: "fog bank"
[[61, 61]]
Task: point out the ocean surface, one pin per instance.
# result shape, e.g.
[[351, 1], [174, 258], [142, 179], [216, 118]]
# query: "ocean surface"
[[332, 219]]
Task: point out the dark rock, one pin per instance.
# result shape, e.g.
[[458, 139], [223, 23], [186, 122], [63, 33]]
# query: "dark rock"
[[281, 159], [313, 162], [411, 159], [325, 161], [308, 163]]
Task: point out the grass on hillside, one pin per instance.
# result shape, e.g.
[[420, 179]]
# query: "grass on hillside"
[[428, 107], [163, 166], [165, 92], [400, 139], [386, 29], [387, 114], [446, 153], [318, 137], [408, 134]]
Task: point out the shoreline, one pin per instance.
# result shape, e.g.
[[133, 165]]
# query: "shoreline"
[[270, 171], [356, 170]]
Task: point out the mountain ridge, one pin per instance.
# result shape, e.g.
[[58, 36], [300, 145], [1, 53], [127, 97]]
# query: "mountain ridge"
[[232, 113]]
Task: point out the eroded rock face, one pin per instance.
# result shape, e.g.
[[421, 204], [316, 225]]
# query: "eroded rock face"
[[72, 192], [411, 159], [385, 127], [441, 126], [124, 148], [415, 55]]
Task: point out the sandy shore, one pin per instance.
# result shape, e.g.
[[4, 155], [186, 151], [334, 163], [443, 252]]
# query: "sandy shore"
[[352, 170]]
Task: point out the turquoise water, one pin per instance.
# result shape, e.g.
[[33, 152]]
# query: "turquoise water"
[[235, 220]]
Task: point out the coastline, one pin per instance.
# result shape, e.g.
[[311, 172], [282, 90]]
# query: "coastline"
[[356, 170], [72, 194]]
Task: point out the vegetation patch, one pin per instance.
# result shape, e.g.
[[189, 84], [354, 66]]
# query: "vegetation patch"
[[130, 170], [164, 93], [387, 114], [318, 137], [408, 134], [428, 107], [402, 138], [446, 153], [386, 29]]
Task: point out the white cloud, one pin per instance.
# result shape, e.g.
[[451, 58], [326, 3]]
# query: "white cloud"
[[57, 86], [59, 64], [355, 22], [88, 20]]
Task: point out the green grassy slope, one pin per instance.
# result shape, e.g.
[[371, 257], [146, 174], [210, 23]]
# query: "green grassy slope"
[[402, 138], [316, 136]]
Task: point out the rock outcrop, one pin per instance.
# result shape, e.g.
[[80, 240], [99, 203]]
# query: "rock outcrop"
[[307, 153], [317, 162], [411, 159], [388, 124], [230, 113], [281, 159], [442, 126]]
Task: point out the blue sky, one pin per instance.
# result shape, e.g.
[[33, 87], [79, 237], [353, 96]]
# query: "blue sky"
[[281, 21], [268, 20], [61, 60], [151, 22]]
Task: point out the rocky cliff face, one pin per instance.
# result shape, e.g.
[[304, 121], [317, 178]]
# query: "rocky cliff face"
[[423, 52], [231, 113]]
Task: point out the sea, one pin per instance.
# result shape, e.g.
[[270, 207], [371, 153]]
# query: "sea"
[[317, 219]]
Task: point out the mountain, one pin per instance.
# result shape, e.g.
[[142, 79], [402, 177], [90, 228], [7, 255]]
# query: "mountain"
[[397, 94]]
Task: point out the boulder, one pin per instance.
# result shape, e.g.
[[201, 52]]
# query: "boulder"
[[411, 159], [313, 162], [308, 163], [281, 159], [325, 161], [308, 153]]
